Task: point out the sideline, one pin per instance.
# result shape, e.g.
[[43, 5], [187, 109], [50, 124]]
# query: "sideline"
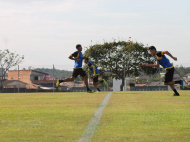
[[90, 129]]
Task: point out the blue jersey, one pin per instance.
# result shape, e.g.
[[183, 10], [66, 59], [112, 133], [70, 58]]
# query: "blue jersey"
[[163, 61], [77, 55], [93, 68]]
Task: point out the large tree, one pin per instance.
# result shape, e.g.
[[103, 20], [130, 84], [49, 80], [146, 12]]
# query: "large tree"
[[8, 60], [115, 57]]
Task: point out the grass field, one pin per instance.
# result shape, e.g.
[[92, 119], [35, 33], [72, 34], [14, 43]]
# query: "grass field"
[[128, 116]]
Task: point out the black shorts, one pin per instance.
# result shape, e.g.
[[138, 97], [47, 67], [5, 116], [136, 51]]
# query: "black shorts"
[[169, 75], [95, 79], [78, 71]]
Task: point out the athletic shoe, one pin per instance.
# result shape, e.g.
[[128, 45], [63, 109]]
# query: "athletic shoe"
[[90, 91], [57, 84], [182, 84], [97, 91], [104, 82], [176, 94]]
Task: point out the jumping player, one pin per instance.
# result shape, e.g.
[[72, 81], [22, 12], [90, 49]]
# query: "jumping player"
[[165, 63], [77, 57], [92, 67]]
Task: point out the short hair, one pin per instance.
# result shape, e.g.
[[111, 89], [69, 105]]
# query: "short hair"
[[77, 46], [152, 48], [86, 58]]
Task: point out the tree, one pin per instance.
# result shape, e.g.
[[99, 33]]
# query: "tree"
[[112, 58], [8, 60], [57, 73]]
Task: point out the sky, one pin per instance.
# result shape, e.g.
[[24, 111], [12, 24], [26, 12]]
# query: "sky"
[[47, 31]]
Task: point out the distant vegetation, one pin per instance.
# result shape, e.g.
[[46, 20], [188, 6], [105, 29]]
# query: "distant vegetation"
[[57, 73], [64, 73], [183, 70]]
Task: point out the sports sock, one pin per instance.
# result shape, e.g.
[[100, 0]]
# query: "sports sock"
[[98, 89], [178, 82], [88, 89], [101, 81], [175, 91]]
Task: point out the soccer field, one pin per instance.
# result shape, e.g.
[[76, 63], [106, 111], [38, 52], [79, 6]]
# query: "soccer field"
[[128, 116]]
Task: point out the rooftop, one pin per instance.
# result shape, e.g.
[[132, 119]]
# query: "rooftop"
[[32, 71]]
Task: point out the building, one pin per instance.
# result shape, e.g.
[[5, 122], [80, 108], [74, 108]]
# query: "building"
[[34, 79], [152, 86], [187, 76], [14, 84]]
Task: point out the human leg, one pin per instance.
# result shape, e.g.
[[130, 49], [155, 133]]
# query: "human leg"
[[169, 80], [83, 74]]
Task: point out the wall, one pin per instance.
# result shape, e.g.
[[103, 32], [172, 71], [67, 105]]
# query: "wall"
[[177, 87], [24, 75], [116, 84], [15, 85], [24, 90], [150, 88], [83, 89]]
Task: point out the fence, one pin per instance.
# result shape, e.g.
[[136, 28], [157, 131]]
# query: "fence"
[[42, 79]]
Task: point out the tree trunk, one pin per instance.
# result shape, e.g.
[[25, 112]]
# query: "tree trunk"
[[122, 84]]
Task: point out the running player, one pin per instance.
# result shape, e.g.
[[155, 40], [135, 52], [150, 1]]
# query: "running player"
[[165, 63], [92, 67], [77, 57]]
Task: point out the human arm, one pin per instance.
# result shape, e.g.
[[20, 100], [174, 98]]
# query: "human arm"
[[94, 69], [74, 56], [151, 65], [169, 54], [88, 71], [74, 59]]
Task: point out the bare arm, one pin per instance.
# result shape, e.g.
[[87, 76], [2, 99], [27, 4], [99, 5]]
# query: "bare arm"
[[70, 57], [151, 65], [169, 54]]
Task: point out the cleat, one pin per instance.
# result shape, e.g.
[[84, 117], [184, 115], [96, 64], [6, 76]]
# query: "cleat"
[[176, 95], [90, 91], [57, 84], [97, 92], [182, 84], [104, 82]]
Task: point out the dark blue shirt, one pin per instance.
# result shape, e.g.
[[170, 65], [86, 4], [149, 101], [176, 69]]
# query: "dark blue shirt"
[[77, 55], [163, 61]]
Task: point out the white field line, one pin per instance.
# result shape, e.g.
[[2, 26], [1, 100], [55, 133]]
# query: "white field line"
[[90, 129]]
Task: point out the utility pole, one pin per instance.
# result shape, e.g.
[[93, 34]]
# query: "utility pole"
[[159, 78], [18, 78], [53, 77], [124, 78]]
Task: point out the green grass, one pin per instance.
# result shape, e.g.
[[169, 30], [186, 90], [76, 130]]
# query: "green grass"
[[146, 117], [46, 117], [128, 116]]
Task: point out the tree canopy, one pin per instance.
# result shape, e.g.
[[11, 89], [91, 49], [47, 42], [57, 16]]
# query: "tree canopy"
[[8, 60], [113, 57]]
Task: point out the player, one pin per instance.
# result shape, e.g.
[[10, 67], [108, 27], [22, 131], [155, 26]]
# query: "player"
[[165, 63], [92, 67], [77, 57]]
